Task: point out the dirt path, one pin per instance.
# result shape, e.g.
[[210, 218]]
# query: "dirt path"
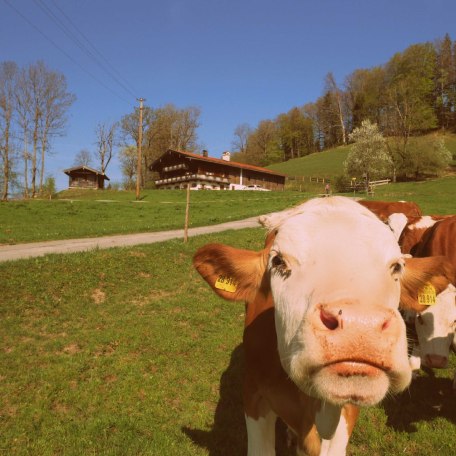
[[35, 249]]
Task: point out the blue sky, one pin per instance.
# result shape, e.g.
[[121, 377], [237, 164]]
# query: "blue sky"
[[239, 61]]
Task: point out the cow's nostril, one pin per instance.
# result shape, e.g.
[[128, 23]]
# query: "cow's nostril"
[[329, 320]]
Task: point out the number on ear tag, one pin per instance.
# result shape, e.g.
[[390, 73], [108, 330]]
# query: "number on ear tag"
[[226, 284], [427, 295]]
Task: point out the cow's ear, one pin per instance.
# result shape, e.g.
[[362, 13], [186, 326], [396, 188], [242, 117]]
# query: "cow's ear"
[[234, 274], [419, 273]]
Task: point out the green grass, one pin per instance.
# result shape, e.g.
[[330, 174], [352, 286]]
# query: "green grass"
[[85, 216], [92, 214], [128, 352], [329, 163]]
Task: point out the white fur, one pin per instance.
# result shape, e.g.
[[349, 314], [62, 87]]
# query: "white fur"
[[397, 222], [335, 250], [261, 435], [337, 446], [436, 325]]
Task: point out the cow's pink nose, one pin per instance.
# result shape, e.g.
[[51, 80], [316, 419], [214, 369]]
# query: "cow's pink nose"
[[352, 317], [436, 361]]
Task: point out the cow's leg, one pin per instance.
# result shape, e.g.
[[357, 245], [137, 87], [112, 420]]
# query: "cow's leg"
[[261, 434]]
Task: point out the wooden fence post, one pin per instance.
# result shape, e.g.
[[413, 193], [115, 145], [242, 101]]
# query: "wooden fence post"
[[187, 210]]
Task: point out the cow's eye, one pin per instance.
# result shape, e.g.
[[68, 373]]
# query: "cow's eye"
[[396, 268], [277, 261], [279, 265]]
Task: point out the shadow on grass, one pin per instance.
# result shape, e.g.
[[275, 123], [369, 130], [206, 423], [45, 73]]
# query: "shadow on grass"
[[427, 398], [228, 435]]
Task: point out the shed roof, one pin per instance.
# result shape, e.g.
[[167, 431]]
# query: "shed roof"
[[68, 171], [219, 161]]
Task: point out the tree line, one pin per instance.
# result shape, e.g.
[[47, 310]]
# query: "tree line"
[[412, 94], [34, 101]]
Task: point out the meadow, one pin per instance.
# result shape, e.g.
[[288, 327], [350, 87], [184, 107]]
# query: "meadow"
[[91, 214], [128, 352]]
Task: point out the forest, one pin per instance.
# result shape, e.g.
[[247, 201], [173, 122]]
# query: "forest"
[[412, 94]]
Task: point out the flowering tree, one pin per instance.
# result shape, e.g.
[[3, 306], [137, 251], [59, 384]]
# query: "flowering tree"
[[368, 157]]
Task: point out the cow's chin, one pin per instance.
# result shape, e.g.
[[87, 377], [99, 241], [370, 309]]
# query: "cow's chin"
[[344, 382]]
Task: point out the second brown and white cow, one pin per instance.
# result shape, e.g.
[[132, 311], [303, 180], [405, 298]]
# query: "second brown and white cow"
[[323, 334], [383, 209]]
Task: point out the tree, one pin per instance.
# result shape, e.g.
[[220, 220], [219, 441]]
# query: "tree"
[[425, 156], [241, 135], [83, 158], [128, 161], [8, 78], [105, 143], [338, 101], [445, 83], [368, 157], [45, 95]]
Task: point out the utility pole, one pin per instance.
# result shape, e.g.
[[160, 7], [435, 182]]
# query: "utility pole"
[[139, 158]]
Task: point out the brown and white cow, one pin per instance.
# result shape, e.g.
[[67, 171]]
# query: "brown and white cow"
[[323, 334], [410, 230], [383, 209], [435, 324]]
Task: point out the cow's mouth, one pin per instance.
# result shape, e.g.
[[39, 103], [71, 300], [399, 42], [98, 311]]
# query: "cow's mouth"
[[357, 381], [355, 367]]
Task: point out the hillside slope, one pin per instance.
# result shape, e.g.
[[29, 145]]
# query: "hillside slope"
[[329, 163]]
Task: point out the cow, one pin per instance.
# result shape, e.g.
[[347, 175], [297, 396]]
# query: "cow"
[[435, 326], [410, 230], [383, 209], [323, 335]]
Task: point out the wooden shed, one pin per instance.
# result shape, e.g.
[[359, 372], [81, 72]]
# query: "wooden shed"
[[177, 169], [85, 177]]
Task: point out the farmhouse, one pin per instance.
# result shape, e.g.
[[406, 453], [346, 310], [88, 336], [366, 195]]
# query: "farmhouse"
[[177, 169], [85, 177]]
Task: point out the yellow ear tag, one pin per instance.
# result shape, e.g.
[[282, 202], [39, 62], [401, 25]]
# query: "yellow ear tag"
[[226, 284], [427, 295]]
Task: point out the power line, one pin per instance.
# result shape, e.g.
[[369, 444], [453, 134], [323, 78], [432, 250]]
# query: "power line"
[[64, 52], [72, 36], [112, 67]]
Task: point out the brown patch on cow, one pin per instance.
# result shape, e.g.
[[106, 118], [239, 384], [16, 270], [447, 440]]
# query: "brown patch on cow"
[[418, 272], [98, 296]]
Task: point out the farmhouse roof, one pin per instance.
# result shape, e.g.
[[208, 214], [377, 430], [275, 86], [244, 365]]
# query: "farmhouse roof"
[[219, 161], [85, 168]]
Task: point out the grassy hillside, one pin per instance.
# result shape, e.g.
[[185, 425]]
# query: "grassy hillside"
[[329, 163]]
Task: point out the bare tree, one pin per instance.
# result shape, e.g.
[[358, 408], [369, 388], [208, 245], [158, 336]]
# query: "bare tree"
[[49, 103], [105, 143], [241, 134], [83, 158], [24, 104], [8, 75], [56, 102], [337, 96]]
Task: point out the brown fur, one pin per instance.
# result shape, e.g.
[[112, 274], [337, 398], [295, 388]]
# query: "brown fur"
[[383, 209], [436, 270]]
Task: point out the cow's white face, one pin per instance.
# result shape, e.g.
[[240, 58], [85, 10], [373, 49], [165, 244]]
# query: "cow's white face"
[[435, 328], [334, 271]]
